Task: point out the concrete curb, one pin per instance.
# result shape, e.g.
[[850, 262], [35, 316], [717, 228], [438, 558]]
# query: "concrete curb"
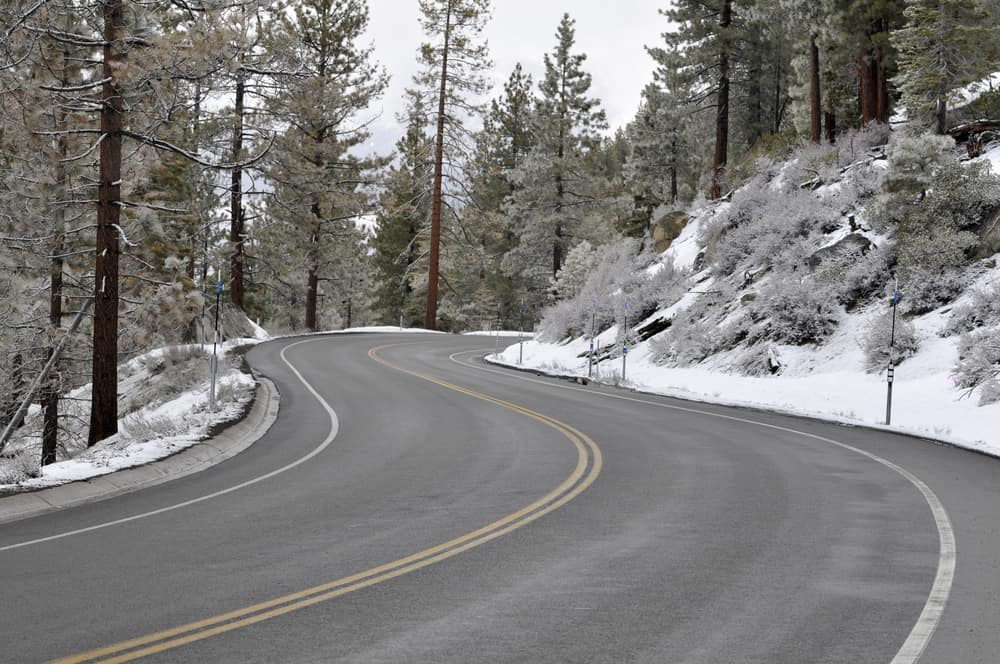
[[196, 458]]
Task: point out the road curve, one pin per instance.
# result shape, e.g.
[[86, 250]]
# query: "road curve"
[[412, 504]]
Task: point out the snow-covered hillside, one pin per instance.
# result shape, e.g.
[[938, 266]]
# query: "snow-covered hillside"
[[742, 360]]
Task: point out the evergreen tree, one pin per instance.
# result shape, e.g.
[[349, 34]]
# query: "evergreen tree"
[[707, 32], [454, 63], [404, 208], [557, 200], [318, 180], [939, 50]]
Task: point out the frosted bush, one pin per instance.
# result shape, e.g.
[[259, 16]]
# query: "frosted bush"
[[856, 144], [19, 466], [929, 262], [762, 235], [979, 364], [618, 273], [795, 310], [877, 335], [141, 428], [580, 262], [982, 311], [559, 321], [698, 332], [865, 277], [689, 340]]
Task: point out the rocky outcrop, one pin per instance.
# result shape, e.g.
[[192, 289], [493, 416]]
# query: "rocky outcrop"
[[667, 228], [854, 244]]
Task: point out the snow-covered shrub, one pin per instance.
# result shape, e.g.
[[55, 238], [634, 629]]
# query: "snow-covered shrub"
[[855, 278], [559, 321], [856, 144], [929, 262], [757, 360], [795, 310], [699, 331], [915, 161], [163, 317], [18, 466], [689, 340], [813, 162], [764, 223], [979, 364], [619, 272], [930, 202], [140, 428], [877, 335], [579, 263], [982, 311]]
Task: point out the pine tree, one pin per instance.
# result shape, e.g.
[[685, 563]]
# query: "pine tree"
[[707, 33], [454, 63], [318, 180], [555, 196], [939, 50], [403, 211]]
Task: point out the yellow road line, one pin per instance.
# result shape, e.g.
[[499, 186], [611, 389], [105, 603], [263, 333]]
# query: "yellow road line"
[[588, 467]]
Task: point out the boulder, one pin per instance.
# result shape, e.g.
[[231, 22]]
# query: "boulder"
[[667, 228], [854, 244]]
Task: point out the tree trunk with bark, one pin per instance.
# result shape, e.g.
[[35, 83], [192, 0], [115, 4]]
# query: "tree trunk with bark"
[[815, 101], [722, 109], [312, 274], [434, 258], [237, 259], [50, 398], [104, 406]]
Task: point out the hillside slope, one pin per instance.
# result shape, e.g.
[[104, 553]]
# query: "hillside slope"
[[796, 321]]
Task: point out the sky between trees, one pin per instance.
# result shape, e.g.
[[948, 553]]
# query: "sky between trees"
[[522, 31]]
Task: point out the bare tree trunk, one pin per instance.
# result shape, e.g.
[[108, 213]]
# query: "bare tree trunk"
[[673, 167], [941, 113], [815, 100], [557, 242], [237, 218], [830, 126], [50, 399], [867, 87], [882, 88], [312, 278], [722, 110], [430, 315], [104, 407]]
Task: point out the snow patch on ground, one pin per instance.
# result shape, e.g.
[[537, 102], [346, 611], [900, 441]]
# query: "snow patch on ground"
[[163, 398]]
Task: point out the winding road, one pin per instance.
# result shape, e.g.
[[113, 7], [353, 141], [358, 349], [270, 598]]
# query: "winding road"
[[413, 504]]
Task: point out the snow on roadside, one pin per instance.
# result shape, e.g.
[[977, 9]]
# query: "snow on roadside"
[[156, 421], [827, 382]]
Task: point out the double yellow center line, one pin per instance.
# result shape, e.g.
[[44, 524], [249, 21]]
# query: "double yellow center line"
[[588, 467]]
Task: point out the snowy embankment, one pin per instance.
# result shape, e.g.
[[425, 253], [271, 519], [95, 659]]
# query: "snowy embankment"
[[827, 381], [164, 401]]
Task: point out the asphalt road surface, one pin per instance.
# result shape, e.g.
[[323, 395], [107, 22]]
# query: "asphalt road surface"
[[412, 504]]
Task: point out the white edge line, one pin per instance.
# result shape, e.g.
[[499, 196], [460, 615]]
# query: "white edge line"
[[930, 616], [334, 429]]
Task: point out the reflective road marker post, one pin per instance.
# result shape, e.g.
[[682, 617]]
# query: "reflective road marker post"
[[625, 340], [890, 373], [520, 334], [215, 345]]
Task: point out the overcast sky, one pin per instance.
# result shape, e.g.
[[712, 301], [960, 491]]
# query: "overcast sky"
[[612, 34]]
